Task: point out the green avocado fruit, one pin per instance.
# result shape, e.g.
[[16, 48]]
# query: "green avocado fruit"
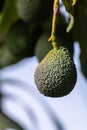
[[56, 75], [33, 11]]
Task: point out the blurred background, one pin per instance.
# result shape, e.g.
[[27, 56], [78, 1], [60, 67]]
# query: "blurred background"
[[25, 26]]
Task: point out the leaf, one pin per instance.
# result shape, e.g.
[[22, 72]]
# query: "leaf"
[[8, 15]]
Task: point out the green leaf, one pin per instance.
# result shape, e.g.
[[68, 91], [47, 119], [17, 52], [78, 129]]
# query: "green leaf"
[[8, 15]]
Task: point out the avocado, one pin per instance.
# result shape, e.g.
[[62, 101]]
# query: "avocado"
[[33, 11], [56, 75]]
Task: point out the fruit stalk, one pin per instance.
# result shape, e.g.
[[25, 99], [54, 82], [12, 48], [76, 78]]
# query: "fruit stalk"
[[71, 23], [54, 21], [74, 2]]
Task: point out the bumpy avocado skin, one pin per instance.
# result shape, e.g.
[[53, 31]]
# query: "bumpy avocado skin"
[[56, 74]]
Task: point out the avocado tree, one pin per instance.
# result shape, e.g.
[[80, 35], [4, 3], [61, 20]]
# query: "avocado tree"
[[33, 28]]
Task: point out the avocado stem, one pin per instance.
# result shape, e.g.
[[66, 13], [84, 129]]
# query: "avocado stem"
[[70, 23], [74, 2], [54, 22]]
